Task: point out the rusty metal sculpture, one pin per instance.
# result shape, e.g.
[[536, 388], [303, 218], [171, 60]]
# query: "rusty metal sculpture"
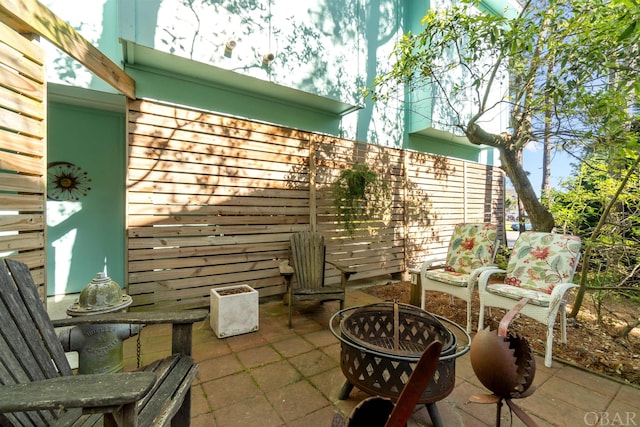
[[379, 411], [504, 363]]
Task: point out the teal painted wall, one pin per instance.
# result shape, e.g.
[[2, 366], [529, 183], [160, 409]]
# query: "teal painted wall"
[[189, 91], [85, 236], [413, 121], [443, 148]]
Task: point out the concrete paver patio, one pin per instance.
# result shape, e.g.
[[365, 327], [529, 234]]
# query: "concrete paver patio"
[[291, 377]]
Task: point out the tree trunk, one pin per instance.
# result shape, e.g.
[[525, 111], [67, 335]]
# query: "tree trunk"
[[541, 219], [548, 131], [546, 164]]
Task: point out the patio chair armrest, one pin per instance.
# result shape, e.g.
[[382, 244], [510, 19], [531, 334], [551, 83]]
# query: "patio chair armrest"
[[561, 288], [285, 269], [181, 322], [107, 391], [136, 317], [476, 272], [433, 263], [484, 276], [559, 291], [344, 269]]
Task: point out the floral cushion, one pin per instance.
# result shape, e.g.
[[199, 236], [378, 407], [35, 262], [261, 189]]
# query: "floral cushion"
[[535, 297], [449, 277], [471, 246], [539, 261]]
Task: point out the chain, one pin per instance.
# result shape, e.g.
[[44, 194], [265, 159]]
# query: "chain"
[[138, 348]]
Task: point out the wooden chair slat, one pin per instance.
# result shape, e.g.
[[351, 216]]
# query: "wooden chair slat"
[[35, 320], [23, 333], [23, 419], [74, 418], [183, 371], [159, 367]]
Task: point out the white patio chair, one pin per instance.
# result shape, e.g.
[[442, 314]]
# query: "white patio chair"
[[540, 268], [472, 249]]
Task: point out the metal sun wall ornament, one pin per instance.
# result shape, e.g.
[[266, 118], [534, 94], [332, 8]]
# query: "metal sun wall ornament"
[[67, 182]]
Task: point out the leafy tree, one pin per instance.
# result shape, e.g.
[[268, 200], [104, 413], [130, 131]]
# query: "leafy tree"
[[602, 205], [572, 64]]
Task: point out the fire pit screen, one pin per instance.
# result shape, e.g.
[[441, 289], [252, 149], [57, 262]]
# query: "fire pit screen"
[[381, 344]]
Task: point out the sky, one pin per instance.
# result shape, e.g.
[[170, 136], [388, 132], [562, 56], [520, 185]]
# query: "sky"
[[532, 160]]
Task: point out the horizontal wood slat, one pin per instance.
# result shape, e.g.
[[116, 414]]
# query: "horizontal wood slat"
[[26, 76], [22, 202], [22, 241], [22, 183], [19, 123], [213, 200], [20, 163], [21, 222], [22, 144]]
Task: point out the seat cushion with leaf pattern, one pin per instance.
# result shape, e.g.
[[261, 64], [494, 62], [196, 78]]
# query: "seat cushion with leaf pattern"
[[449, 277], [471, 246], [539, 261], [535, 297]]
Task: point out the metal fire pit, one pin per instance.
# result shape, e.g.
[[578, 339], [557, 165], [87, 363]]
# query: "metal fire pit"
[[381, 344]]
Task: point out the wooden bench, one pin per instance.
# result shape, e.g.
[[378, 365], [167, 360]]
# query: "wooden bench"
[[38, 387]]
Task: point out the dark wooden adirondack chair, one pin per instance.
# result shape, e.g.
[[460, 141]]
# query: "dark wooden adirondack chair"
[[307, 252], [37, 387]]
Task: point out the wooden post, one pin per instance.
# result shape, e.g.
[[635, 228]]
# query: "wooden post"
[[464, 192], [405, 214], [415, 296], [313, 212]]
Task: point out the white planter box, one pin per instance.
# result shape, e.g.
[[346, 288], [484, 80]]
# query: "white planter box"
[[234, 310]]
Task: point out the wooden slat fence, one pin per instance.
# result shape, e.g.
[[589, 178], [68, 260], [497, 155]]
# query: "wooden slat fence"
[[442, 192], [377, 248], [212, 201], [22, 152]]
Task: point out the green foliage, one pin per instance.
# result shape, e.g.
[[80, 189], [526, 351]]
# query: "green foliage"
[[360, 196], [571, 62], [615, 248], [502, 257], [578, 207], [590, 46], [510, 203]]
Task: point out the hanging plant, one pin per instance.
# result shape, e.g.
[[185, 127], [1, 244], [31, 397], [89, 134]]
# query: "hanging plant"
[[359, 196]]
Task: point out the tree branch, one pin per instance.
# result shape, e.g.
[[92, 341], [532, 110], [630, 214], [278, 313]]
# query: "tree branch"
[[594, 235]]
